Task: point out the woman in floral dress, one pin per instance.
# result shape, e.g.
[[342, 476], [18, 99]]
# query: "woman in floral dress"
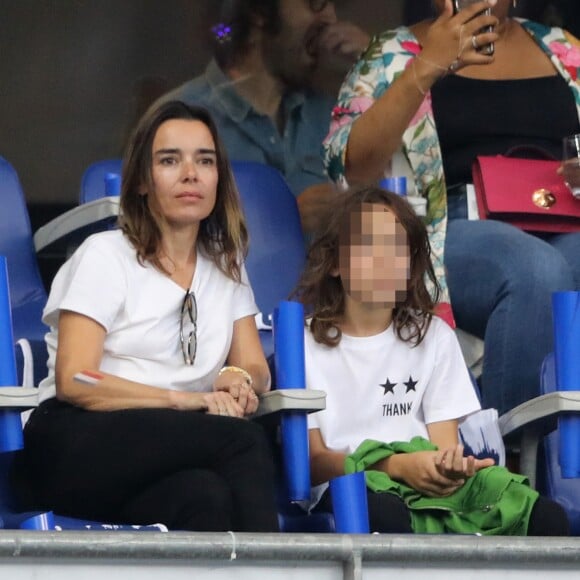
[[425, 101]]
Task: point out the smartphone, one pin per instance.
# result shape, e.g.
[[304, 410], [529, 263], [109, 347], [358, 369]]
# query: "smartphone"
[[487, 49]]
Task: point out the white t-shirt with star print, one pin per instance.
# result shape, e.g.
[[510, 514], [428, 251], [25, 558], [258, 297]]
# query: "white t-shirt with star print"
[[380, 387]]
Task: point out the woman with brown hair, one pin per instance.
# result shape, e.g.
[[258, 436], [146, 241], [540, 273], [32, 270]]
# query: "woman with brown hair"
[[154, 357]]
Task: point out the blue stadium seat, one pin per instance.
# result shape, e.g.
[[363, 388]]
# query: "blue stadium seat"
[[93, 180], [274, 264], [27, 293], [277, 252], [550, 481]]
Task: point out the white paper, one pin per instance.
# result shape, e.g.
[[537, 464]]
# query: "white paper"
[[480, 435]]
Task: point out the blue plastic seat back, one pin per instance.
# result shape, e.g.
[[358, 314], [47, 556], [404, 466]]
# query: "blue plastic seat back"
[[27, 293], [277, 252], [274, 264], [550, 482], [93, 180]]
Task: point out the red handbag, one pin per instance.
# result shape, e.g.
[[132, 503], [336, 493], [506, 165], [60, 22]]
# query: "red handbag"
[[527, 193]]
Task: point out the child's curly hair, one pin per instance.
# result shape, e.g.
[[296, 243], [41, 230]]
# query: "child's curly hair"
[[323, 293]]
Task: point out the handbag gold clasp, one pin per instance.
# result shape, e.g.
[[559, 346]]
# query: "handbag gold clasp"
[[544, 198]]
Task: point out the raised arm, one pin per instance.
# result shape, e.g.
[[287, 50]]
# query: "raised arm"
[[377, 130], [80, 349]]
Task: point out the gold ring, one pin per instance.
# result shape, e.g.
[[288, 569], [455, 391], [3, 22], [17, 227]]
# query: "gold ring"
[[474, 42]]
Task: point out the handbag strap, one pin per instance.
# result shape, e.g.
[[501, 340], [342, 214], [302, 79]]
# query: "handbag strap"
[[535, 150]]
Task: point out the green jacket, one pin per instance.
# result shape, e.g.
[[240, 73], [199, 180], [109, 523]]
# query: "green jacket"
[[492, 502]]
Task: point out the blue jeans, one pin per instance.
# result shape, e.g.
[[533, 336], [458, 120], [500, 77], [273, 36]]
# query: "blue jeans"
[[501, 280]]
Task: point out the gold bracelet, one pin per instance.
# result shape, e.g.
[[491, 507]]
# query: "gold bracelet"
[[431, 63], [244, 373], [419, 87]]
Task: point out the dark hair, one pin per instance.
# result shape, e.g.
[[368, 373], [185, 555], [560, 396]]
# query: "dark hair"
[[238, 17], [222, 235], [323, 293]]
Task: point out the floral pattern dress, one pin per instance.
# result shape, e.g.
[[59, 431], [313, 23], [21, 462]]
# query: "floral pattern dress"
[[385, 59]]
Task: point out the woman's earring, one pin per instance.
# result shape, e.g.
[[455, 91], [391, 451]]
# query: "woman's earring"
[[515, 3]]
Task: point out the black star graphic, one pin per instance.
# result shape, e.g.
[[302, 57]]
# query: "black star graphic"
[[389, 387], [410, 384]]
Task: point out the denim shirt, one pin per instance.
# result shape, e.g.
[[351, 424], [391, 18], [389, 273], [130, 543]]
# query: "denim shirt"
[[251, 136]]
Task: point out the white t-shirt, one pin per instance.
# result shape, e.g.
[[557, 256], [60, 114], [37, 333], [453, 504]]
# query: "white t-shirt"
[[140, 308], [383, 388]]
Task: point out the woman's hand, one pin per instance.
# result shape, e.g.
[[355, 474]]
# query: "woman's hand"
[[222, 403], [452, 464], [343, 40], [241, 392], [452, 41], [216, 403]]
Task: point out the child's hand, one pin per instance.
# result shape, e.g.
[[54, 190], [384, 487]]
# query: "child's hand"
[[452, 464], [420, 471]]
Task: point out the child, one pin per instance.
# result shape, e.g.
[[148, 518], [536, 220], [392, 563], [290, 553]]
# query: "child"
[[396, 383]]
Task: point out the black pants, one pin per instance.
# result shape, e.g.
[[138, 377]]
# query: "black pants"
[[188, 470], [389, 515]]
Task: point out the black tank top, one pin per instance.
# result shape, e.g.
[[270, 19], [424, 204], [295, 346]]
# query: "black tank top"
[[488, 117]]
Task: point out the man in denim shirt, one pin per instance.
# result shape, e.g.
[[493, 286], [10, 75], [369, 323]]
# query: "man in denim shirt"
[[258, 87]]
